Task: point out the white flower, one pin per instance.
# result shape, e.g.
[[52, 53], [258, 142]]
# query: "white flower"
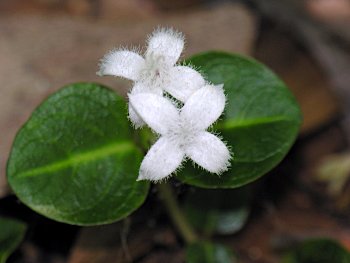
[[182, 132], [156, 71]]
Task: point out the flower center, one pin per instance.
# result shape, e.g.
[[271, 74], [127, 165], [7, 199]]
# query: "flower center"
[[183, 133], [156, 70]]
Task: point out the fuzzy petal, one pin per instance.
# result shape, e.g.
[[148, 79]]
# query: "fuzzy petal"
[[184, 82], [137, 89], [210, 152], [136, 120], [122, 63], [204, 107], [158, 112], [166, 43], [162, 159], [141, 87]]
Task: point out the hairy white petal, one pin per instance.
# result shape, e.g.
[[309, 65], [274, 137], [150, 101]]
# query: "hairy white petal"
[[204, 107], [183, 82], [165, 43], [141, 87], [158, 112], [122, 63], [162, 159], [136, 120], [210, 152]]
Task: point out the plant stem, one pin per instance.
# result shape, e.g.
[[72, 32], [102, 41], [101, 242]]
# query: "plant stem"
[[174, 211]]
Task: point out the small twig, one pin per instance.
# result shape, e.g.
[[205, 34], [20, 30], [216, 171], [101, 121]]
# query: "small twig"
[[176, 214]]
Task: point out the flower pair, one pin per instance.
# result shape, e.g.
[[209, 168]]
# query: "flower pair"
[[182, 130]]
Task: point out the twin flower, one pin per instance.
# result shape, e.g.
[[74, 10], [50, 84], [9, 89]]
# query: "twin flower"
[[182, 130]]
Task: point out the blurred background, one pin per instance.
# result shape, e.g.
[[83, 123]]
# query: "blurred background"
[[45, 44]]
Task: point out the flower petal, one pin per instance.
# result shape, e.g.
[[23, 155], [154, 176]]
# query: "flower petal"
[[204, 106], [122, 63], [162, 159], [210, 152], [136, 120], [142, 87], [166, 43], [184, 82], [159, 113]]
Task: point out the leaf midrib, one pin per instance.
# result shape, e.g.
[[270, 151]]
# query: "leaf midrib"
[[82, 157], [231, 124]]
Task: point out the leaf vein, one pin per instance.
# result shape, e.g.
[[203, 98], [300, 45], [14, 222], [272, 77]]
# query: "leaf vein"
[[79, 158]]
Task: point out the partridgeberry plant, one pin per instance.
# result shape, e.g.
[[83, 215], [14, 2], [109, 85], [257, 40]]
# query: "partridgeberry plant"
[[78, 160], [183, 130]]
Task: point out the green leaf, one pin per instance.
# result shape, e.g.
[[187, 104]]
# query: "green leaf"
[[11, 235], [205, 252], [218, 211], [75, 161], [260, 122], [318, 251]]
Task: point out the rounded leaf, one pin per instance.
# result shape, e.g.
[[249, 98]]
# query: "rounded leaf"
[[74, 160], [260, 122], [206, 252], [218, 211], [318, 251], [11, 235]]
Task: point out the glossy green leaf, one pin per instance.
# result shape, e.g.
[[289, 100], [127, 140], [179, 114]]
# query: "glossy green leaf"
[[260, 122], [11, 235], [318, 251], [75, 161], [218, 211], [205, 252]]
